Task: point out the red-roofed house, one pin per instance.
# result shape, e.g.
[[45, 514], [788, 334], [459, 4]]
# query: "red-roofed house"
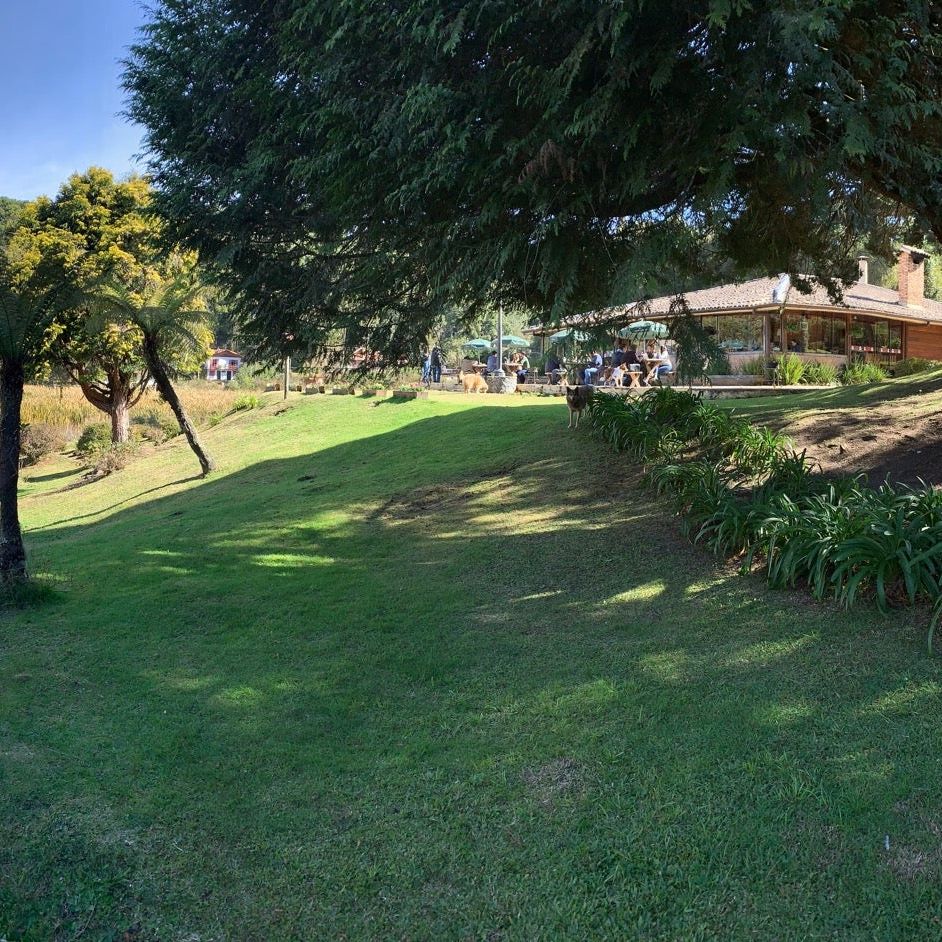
[[766, 316], [223, 365]]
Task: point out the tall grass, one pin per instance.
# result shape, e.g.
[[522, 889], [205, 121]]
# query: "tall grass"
[[745, 492], [68, 411]]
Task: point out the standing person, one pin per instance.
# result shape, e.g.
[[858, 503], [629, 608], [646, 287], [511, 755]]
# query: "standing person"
[[427, 367], [591, 371], [435, 362], [492, 364]]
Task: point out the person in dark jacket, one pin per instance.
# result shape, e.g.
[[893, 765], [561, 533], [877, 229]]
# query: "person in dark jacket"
[[435, 363]]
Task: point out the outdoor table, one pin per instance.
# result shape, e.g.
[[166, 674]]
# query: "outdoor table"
[[633, 377]]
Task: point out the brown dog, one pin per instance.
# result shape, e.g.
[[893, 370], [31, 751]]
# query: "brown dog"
[[577, 398], [472, 383]]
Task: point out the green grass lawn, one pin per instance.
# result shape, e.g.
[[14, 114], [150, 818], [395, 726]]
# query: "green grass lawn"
[[440, 670]]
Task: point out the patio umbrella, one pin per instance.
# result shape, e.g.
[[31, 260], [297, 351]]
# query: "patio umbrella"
[[478, 344], [644, 330], [568, 335], [512, 340]]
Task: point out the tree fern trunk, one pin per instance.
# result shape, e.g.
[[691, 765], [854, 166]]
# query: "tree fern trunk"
[[12, 552], [165, 387]]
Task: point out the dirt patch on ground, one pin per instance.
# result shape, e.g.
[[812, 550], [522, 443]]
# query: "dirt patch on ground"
[[548, 782], [889, 440]]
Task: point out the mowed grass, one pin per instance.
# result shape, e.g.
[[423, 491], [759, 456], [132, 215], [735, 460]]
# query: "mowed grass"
[[441, 670]]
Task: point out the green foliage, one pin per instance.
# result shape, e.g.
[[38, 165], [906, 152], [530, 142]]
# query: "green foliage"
[[115, 457], [10, 211], [246, 402], [790, 370], [754, 367], [820, 374], [37, 440], [912, 365], [96, 229], [698, 354], [517, 151], [856, 374], [94, 439], [745, 492]]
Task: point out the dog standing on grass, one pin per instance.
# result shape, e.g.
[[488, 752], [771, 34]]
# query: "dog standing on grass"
[[577, 398], [472, 383]]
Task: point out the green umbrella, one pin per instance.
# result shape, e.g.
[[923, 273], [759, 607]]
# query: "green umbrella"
[[478, 344], [568, 335], [644, 330], [511, 340]]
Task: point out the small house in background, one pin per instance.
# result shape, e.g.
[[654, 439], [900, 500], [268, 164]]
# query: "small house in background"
[[223, 365]]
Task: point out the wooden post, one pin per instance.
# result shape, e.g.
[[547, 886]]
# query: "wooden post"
[[287, 376]]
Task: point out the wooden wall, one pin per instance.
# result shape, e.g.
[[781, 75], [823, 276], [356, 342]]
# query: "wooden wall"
[[924, 340]]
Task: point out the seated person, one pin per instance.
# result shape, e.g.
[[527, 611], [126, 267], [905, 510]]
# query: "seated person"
[[663, 366], [492, 363], [523, 367], [554, 368], [649, 361], [631, 361], [618, 354], [591, 371]]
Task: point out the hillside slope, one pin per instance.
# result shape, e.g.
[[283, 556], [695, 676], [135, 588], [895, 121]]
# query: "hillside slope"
[[438, 669]]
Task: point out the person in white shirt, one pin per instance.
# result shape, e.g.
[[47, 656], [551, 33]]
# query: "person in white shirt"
[[664, 365]]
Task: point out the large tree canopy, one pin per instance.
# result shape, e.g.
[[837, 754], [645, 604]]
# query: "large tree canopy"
[[360, 164]]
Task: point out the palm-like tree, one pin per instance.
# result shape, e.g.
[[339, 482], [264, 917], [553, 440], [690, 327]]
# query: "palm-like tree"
[[170, 315], [25, 319]]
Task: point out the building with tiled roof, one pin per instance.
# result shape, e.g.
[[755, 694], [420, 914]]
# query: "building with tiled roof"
[[766, 316], [222, 365]]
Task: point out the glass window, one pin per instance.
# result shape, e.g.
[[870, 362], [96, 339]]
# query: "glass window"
[[809, 333], [736, 333], [875, 340]]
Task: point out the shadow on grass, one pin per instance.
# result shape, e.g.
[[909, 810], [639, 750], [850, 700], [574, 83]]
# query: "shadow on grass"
[[356, 663]]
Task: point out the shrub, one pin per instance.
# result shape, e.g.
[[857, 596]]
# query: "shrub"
[[820, 374], [114, 458], [38, 440], [246, 402], [94, 440], [789, 370], [754, 367], [912, 365], [746, 492], [213, 419], [855, 374]]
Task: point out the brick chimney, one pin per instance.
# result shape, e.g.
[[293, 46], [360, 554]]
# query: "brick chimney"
[[912, 276]]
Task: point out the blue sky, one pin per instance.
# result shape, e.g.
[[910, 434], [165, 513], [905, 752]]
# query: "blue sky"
[[60, 76]]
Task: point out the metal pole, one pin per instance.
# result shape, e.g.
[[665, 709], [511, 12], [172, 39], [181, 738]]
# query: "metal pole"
[[287, 375], [500, 340]]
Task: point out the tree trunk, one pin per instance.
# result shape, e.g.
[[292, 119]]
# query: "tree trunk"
[[120, 412], [165, 387], [12, 552]]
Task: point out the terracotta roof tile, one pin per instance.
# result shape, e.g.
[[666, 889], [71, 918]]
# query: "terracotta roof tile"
[[757, 293]]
